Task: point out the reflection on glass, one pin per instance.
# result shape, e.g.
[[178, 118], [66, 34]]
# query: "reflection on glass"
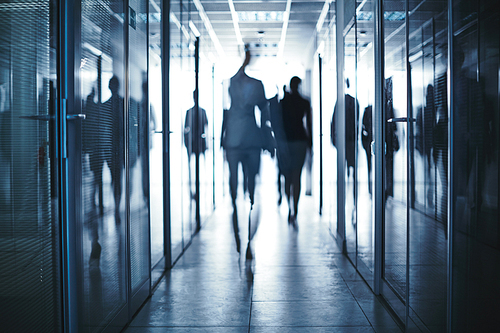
[[138, 148], [351, 106], [182, 169], [475, 122], [175, 137], [155, 143], [395, 175], [365, 158], [428, 158], [30, 294], [103, 264]]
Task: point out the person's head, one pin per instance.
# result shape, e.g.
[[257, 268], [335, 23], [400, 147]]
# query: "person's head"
[[114, 85], [294, 84]]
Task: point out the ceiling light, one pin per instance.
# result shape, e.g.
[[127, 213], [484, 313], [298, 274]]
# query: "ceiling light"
[[261, 16]]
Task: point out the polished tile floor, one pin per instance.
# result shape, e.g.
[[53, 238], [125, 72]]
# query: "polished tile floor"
[[297, 280]]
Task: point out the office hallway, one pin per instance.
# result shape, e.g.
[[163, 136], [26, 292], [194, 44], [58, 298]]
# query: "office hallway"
[[298, 280]]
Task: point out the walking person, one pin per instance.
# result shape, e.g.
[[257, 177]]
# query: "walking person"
[[296, 110], [241, 138]]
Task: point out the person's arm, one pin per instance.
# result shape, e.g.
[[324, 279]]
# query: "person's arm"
[[265, 122], [309, 124], [223, 129]]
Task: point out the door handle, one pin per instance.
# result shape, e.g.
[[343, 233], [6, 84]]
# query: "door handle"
[[76, 116], [400, 120]]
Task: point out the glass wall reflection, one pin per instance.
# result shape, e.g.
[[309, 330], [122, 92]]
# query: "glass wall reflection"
[[184, 144], [365, 158], [137, 141], [428, 153], [103, 231], [156, 141], [351, 107], [30, 278], [475, 123], [395, 168]]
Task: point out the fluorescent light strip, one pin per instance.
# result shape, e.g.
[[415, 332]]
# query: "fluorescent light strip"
[[360, 7], [234, 16], [155, 6], [193, 28], [174, 19], [209, 27], [286, 18], [322, 16]]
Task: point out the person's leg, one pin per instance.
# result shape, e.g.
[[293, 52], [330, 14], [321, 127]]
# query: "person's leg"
[[301, 150], [296, 190], [252, 165], [232, 157]]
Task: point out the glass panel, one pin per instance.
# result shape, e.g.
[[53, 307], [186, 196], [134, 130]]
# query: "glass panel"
[[351, 132], [329, 94], [175, 121], [103, 264], [475, 123], [205, 128], [183, 172], [30, 291], [188, 148], [138, 149], [428, 155], [395, 174], [155, 140], [365, 158]]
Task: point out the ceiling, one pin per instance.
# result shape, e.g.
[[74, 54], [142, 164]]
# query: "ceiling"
[[272, 28]]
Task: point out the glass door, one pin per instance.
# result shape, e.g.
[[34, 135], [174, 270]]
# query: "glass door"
[[30, 246], [365, 140], [395, 161], [156, 142], [428, 157], [103, 226], [351, 107]]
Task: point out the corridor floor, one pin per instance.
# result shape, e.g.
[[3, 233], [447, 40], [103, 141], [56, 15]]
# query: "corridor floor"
[[297, 281]]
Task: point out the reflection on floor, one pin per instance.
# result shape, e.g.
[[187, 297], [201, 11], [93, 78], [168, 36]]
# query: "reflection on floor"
[[298, 280]]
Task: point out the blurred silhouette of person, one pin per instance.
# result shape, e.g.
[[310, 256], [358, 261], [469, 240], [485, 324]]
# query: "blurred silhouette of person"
[[351, 119], [146, 124], [296, 111], [241, 138], [440, 142], [391, 140], [115, 156], [425, 124], [91, 145], [195, 138], [279, 134], [366, 140]]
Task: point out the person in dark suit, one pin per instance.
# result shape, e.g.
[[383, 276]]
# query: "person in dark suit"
[[295, 110], [114, 153], [241, 138], [351, 120], [366, 140], [195, 126]]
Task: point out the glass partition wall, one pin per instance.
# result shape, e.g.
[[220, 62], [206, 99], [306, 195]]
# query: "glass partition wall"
[[191, 115], [156, 133], [30, 224], [475, 124], [414, 127]]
